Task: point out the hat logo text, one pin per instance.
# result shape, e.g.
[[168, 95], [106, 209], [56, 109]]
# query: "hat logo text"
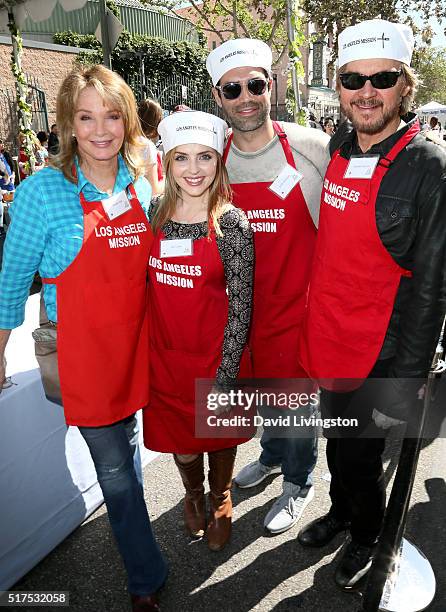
[[364, 41]]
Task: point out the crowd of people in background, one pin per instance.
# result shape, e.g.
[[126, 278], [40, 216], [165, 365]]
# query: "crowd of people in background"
[[327, 124], [150, 114], [42, 144]]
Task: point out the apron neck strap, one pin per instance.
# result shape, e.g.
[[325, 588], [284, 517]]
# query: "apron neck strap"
[[84, 202], [405, 139], [284, 143], [227, 147], [282, 139]]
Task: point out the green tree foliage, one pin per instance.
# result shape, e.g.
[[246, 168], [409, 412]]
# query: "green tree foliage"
[[266, 20], [161, 57], [226, 19], [430, 64], [84, 41], [333, 16], [113, 8]]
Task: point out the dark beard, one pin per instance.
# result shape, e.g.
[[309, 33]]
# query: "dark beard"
[[248, 124], [370, 128]]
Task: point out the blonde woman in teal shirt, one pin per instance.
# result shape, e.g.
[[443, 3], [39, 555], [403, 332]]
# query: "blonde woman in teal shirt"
[[81, 224]]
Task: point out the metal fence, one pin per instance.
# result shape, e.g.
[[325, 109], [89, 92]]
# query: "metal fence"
[[8, 108], [37, 101], [136, 18], [171, 90], [9, 126]]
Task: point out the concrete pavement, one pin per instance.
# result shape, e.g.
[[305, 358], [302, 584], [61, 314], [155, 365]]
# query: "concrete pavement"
[[255, 571]]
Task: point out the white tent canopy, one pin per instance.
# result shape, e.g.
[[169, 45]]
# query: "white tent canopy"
[[37, 10], [432, 108]]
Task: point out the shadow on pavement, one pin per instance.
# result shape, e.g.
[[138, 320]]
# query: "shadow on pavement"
[[242, 576]]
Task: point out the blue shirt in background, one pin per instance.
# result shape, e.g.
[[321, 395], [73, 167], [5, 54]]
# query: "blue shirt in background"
[[7, 186], [46, 234]]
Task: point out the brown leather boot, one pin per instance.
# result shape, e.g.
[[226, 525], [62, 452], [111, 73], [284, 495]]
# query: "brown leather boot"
[[221, 467], [145, 603], [192, 475]]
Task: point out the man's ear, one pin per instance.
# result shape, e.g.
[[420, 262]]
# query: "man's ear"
[[217, 98], [405, 91]]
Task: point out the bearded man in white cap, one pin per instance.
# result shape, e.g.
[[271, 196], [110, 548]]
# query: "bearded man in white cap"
[[276, 174], [376, 301]]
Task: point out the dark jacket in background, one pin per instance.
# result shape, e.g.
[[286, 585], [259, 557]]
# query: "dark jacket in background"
[[53, 144]]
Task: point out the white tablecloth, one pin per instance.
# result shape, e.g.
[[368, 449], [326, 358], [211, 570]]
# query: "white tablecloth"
[[48, 483], [20, 348]]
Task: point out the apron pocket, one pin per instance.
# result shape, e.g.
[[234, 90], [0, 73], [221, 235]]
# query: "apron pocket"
[[173, 373], [127, 297]]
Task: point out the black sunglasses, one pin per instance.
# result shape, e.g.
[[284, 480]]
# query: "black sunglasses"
[[379, 80], [231, 91]]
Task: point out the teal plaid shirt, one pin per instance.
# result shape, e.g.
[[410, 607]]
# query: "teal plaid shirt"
[[46, 234]]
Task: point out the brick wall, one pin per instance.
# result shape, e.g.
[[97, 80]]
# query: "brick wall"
[[48, 67]]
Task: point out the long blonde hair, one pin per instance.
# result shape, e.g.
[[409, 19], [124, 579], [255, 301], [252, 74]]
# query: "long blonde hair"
[[412, 79], [220, 195], [117, 94]]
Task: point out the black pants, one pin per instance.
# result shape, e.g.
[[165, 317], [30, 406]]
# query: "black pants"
[[357, 488]]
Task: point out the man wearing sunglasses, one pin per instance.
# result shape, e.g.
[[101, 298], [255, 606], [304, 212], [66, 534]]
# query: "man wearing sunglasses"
[[376, 300], [276, 174]]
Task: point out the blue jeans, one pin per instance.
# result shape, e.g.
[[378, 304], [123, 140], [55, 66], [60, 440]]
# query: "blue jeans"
[[115, 453], [296, 453]]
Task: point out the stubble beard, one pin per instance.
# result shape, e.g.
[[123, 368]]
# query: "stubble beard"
[[367, 127], [248, 124]]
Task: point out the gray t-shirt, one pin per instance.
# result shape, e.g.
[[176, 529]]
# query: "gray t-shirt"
[[310, 150]]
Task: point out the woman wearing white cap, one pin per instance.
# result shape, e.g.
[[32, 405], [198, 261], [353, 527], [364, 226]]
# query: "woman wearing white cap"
[[200, 269]]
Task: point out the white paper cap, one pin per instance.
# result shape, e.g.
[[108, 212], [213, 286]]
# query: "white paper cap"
[[376, 38], [192, 127], [237, 54]]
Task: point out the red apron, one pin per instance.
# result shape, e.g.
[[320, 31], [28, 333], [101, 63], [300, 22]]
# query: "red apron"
[[102, 331], [188, 313], [284, 237], [159, 166], [354, 278]]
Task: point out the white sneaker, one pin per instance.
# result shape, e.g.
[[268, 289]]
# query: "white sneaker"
[[288, 508], [254, 473]]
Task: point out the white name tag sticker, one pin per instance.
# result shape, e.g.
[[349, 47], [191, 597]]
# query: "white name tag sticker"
[[361, 166], [180, 247], [286, 181], [116, 205]]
